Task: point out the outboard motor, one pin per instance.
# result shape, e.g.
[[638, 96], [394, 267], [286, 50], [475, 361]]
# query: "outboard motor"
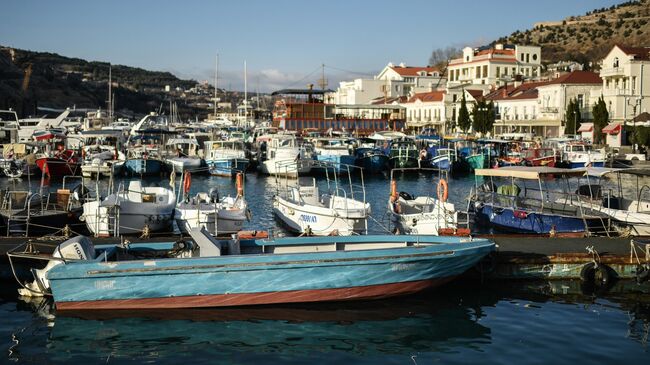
[[77, 248]]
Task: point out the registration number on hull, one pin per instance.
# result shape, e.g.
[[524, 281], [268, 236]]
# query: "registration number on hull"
[[308, 218]]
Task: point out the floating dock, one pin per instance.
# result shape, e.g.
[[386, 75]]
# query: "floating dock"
[[518, 257]]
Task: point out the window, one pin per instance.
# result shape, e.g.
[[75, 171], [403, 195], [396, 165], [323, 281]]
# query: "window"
[[522, 57], [534, 56], [498, 72], [505, 71], [514, 71], [477, 72], [615, 64], [581, 101], [485, 71], [527, 58]]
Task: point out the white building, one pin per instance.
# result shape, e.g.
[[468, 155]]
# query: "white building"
[[426, 110], [490, 66], [393, 81], [554, 96], [625, 72], [517, 110]]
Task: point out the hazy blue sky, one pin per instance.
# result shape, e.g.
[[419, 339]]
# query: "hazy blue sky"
[[282, 40]]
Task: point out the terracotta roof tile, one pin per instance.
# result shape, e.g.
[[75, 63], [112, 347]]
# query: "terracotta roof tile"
[[577, 77], [413, 71], [428, 97], [640, 53]]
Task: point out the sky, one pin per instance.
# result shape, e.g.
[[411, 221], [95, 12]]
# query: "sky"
[[284, 42]]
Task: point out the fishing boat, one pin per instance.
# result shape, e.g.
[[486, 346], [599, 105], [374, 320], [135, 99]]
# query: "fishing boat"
[[372, 160], [341, 210], [26, 213], [280, 154], [56, 161], [184, 155], [218, 215], [423, 215], [101, 153], [539, 210], [143, 160], [403, 154], [620, 194], [205, 272], [335, 151], [225, 158], [133, 209], [19, 159], [539, 157], [580, 154]]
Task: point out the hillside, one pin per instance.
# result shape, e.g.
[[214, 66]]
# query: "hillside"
[[30, 79], [589, 37]]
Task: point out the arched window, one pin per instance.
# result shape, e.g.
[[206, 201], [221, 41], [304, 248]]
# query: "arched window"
[[615, 65]]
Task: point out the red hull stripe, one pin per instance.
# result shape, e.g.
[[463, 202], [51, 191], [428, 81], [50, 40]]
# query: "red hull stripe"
[[227, 300]]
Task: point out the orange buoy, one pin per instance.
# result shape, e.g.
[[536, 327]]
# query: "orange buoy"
[[240, 184], [393, 190], [187, 182], [443, 190]]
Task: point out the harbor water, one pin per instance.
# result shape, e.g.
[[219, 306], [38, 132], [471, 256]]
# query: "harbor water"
[[463, 322]]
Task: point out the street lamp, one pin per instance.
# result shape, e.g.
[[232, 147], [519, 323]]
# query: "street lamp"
[[575, 123]]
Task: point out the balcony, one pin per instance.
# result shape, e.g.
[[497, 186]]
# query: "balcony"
[[612, 71], [617, 92], [549, 110]]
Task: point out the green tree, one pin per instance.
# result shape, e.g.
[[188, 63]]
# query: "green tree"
[[464, 122], [483, 117], [601, 119], [572, 117]]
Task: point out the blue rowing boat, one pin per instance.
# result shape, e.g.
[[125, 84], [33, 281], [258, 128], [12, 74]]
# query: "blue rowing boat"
[[205, 272]]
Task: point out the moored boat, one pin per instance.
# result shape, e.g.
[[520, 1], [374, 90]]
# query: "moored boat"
[[206, 272]]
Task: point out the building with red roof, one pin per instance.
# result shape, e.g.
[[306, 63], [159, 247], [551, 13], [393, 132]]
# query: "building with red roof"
[[495, 65]]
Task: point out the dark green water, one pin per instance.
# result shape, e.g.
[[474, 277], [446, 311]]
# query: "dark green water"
[[464, 322]]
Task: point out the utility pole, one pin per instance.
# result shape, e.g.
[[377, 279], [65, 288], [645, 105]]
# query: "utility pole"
[[216, 80], [110, 92]]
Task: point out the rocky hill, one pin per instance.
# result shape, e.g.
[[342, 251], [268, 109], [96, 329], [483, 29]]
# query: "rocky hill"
[[589, 37], [30, 79]]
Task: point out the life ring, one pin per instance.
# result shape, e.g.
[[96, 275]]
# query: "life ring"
[[444, 194], [240, 184], [187, 182], [393, 191]]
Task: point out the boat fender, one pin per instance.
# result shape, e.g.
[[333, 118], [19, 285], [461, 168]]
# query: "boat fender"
[[597, 273], [240, 184], [187, 182], [443, 190], [415, 222], [393, 191]]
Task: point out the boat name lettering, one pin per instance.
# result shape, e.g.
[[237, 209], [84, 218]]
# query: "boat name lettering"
[[403, 267], [308, 218], [105, 284]]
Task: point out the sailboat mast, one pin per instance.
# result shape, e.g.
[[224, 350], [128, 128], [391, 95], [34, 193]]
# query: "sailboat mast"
[[245, 93], [216, 79], [110, 92]]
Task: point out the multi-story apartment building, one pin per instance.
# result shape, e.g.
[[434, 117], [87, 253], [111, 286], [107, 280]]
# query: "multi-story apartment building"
[[625, 73], [393, 81], [426, 110], [494, 65]]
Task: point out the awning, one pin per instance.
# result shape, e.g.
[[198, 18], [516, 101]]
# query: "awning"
[[529, 172], [612, 128], [586, 127]]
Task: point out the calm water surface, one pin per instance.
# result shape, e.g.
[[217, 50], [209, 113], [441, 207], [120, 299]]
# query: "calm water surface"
[[464, 322]]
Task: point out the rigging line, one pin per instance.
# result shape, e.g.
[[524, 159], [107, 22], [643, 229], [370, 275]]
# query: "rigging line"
[[348, 71], [305, 77]]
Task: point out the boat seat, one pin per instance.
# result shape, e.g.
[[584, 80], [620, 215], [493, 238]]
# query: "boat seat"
[[208, 245]]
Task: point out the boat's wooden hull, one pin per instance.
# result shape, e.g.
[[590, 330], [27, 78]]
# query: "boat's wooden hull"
[[325, 273]]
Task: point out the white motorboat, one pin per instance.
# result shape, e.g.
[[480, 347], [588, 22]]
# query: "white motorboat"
[[301, 207], [186, 155], [131, 210], [280, 155], [102, 160], [225, 158], [423, 215], [218, 215]]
